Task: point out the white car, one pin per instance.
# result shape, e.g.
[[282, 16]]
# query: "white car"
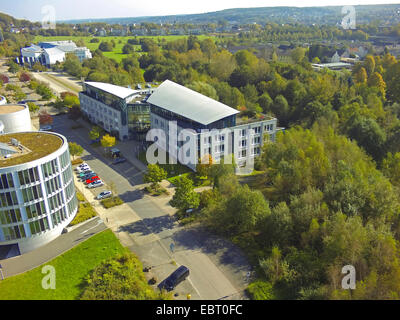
[[96, 184], [82, 169], [83, 165]]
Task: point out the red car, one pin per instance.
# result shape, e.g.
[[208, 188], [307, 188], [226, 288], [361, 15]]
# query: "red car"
[[93, 179]]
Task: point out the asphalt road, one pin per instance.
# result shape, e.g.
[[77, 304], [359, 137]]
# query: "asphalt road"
[[53, 249]]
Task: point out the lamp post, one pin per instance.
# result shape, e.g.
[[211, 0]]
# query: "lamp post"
[[1, 272]]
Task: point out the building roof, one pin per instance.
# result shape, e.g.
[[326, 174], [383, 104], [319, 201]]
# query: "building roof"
[[120, 92], [53, 51], [33, 48], [189, 104], [11, 108], [35, 145]]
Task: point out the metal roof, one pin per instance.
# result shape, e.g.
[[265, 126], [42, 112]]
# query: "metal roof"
[[189, 104], [120, 92]]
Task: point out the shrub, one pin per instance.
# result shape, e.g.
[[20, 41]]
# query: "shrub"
[[112, 202], [24, 77], [260, 290], [120, 278], [4, 79], [85, 212], [33, 107], [95, 40]]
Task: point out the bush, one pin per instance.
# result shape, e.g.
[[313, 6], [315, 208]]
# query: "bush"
[[33, 107], [111, 202], [85, 212], [95, 40], [260, 290], [24, 77], [80, 197], [4, 79], [120, 278]]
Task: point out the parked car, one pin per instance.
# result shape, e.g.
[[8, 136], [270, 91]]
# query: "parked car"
[[82, 169], [174, 279], [85, 173], [46, 128], [95, 184], [92, 179], [119, 160], [83, 165], [104, 195], [88, 176]]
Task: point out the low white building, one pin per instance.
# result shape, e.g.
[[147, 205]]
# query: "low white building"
[[49, 53], [15, 118]]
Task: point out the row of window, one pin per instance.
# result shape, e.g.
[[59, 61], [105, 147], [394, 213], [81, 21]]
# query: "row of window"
[[59, 216], [12, 233], [28, 176], [35, 210], [39, 226], [53, 185], [32, 193], [50, 168], [55, 201], [8, 199], [10, 216]]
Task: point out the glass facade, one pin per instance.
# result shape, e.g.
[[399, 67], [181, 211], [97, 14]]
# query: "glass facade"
[[36, 200], [138, 120]]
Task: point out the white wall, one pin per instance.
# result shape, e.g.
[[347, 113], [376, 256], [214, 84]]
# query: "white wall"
[[19, 121]]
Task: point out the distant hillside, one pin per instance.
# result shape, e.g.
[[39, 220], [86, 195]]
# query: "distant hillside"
[[387, 14]]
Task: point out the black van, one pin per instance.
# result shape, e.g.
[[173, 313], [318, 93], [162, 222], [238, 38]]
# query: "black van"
[[174, 279]]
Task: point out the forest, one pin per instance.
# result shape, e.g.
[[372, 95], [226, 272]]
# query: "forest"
[[327, 191]]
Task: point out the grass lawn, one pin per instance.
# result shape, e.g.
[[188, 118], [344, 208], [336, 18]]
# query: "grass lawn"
[[71, 268]]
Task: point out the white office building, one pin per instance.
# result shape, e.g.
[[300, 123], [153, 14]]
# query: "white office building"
[[37, 192], [15, 118], [51, 52]]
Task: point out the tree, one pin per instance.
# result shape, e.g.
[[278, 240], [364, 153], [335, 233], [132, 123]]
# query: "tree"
[[154, 175], [376, 80], [185, 197], [13, 67], [128, 48], [33, 107], [71, 101], [298, 54], [108, 141], [203, 168], [75, 149], [24, 77], [45, 118], [361, 75], [95, 133], [72, 65]]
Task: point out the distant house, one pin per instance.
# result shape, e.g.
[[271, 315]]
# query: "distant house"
[[49, 53], [335, 58]]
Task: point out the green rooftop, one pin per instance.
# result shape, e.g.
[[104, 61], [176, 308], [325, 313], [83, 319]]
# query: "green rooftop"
[[36, 145]]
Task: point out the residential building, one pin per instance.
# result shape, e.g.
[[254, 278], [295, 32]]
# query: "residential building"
[[37, 192], [120, 111]]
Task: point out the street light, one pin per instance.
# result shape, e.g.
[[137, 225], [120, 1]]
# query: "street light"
[[1, 272]]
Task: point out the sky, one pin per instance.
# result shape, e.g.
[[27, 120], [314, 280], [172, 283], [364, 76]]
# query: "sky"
[[86, 9]]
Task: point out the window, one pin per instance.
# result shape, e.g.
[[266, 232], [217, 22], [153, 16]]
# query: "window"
[[39, 226], [8, 199], [35, 210], [50, 168], [28, 176], [257, 130], [13, 233], [6, 181], [32, 193], [243, 143], [10, 216]]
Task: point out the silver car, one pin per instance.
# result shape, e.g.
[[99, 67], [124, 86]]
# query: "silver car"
[[104, 195], [96, 184]]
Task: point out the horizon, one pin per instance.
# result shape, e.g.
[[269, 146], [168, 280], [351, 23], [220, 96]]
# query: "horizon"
[[21, 10]]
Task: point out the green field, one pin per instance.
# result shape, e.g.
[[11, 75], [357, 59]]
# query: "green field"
[[116, 54], [71, 268]]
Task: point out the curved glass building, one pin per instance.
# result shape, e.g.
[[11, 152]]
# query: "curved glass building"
[[37, 192]]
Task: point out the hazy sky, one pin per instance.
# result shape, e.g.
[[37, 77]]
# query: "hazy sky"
[[82, 9]]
